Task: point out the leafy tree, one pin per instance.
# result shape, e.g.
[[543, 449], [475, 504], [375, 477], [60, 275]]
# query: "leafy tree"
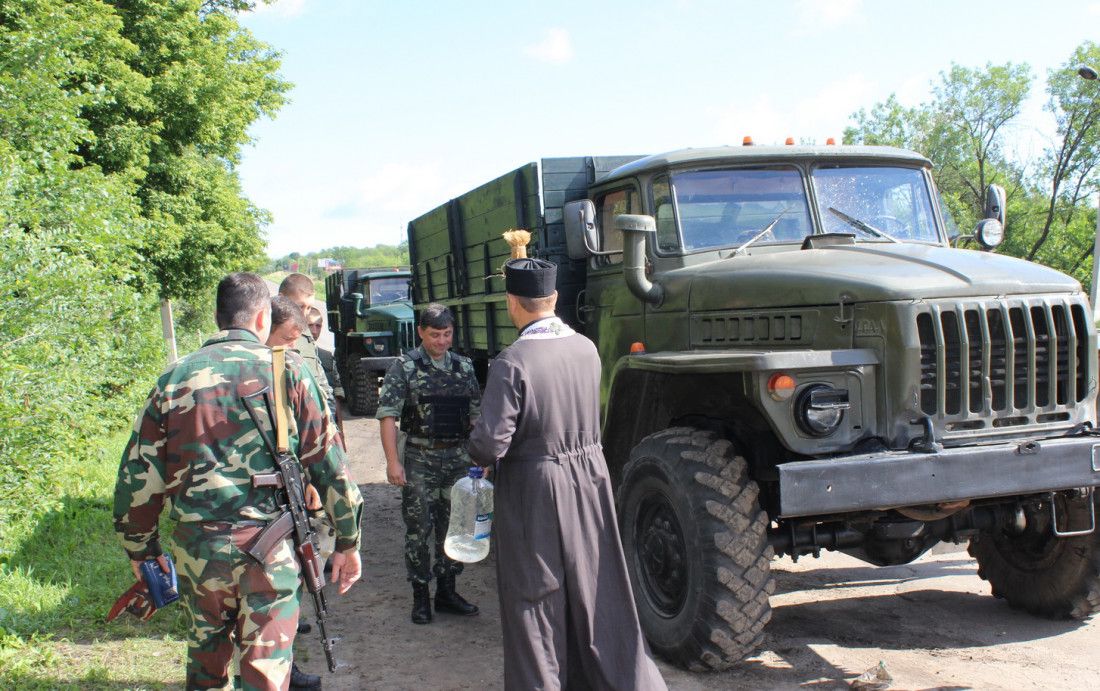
[[1069, 166]]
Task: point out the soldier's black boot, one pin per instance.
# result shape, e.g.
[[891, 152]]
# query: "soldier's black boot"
[[301, 680], [422, 604], [447, 600]]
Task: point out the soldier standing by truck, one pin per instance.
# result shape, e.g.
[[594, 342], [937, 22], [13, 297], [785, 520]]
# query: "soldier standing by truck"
[[435, 395], [195, 448]]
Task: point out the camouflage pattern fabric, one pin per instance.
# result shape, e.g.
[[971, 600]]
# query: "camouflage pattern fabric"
[[429, 473], [232, 598], [426, 504], [332, 374], [307, 348], [195, 448]]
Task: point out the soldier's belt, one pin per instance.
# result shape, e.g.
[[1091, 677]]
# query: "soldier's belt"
[[422, 443]]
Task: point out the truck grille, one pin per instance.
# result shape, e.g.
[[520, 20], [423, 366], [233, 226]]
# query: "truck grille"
[[1009, 359], [406, 337]]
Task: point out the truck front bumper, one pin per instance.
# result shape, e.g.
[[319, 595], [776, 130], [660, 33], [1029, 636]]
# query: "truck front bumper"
[[891, 479]]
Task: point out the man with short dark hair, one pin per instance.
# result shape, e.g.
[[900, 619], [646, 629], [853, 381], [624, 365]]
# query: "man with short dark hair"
[[195, 447], [299, 289], [566, 608], [435, 395], [287, 322]]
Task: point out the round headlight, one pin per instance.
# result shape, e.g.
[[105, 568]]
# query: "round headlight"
[[989, 233], [819, 409]]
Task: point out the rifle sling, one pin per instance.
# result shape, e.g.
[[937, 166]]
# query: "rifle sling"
[[278, 366]]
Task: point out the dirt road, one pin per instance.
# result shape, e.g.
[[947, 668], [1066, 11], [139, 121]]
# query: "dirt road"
[[933, 622]]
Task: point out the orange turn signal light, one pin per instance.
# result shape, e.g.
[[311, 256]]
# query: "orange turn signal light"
[[747, 141], [781, 386], [637, 348], [790, 141], [830, 142]]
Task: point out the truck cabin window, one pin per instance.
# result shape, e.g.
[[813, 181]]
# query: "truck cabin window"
[[608, 206], [384, 290], [725, 208], [894, 201]]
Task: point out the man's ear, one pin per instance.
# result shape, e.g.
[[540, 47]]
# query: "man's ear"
[[263, 320]]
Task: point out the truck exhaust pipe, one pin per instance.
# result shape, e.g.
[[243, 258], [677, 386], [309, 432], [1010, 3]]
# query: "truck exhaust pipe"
[[635, 228]]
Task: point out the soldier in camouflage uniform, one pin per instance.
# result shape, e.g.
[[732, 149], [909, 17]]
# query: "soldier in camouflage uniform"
[[299, 288], [435, 395], [196, 448]]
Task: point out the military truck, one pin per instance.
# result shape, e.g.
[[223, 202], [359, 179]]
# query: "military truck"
[[798, 356], [371, 319]]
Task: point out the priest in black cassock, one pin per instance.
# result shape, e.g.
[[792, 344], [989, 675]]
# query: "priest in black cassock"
[[566, 605]]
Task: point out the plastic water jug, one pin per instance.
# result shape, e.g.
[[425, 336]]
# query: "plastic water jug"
[[471, 518]]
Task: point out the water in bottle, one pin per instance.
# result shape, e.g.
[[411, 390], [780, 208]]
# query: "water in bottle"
[[471, 518]]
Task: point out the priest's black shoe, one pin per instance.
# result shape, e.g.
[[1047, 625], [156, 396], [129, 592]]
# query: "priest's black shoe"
[[302, 681], [447, 600], [422, 604]]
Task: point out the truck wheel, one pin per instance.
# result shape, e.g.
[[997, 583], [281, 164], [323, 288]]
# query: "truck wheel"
[[1049, 576], [696, 547], [364, 382]]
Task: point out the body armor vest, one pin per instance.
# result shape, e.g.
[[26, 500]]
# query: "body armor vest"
[[438, 404]]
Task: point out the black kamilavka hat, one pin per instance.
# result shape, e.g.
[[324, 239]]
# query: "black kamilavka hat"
[[530, 278]]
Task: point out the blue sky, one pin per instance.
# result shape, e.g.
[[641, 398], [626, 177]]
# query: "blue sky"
[[399, 106]]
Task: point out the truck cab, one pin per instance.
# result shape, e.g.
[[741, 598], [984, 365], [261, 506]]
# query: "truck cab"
[[370, 315], [797, 356]]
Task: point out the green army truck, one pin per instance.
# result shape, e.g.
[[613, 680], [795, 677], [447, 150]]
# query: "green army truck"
[[371, 319], [797, 356]]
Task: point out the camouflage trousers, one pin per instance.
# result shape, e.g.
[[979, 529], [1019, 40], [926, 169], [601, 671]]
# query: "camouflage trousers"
[[231, 599], [426, 506]]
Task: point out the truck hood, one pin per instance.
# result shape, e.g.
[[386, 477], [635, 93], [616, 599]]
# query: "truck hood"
[[867, 272], [400, 310]]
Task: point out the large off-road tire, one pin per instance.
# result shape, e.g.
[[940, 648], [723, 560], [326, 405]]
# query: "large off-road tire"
[[363, 389], [1057, 578], [696, 548]]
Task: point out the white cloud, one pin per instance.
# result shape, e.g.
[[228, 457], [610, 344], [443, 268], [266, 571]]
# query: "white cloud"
[[814, 118], [281, 8], [817, 15], [555, 47]]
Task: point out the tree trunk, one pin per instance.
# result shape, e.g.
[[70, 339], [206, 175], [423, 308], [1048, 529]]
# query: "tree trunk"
[[169, 329]]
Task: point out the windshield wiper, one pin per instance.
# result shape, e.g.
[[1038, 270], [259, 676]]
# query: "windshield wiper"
[[862, 225], [767, 229]]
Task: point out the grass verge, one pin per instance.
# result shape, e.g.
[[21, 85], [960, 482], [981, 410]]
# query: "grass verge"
[[60, 571]]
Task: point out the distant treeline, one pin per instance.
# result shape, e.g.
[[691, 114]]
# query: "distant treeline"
[[348, 257]]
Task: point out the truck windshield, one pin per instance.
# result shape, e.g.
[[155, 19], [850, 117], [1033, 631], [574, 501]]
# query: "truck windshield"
[[725, 208], [895, 201], [383, 290]]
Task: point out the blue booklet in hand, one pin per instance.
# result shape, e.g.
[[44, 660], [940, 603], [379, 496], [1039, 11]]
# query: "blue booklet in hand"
[[162, 586]]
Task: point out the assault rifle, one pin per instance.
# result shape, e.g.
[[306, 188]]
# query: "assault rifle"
[[290, 491]]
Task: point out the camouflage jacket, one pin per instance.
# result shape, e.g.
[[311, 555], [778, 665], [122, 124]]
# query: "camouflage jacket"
[[307, 348], [413, 377], [195, 447]]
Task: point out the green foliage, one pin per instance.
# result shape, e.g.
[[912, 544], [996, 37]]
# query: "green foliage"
[[57, 581], [120, 125], [964, 130]]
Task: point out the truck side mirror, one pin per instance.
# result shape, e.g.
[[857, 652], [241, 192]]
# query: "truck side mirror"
[[995, 203], [357, 300], [581, 239]]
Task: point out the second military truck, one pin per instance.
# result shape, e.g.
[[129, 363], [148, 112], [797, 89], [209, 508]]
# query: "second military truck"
[[797, 358], [371, 319]]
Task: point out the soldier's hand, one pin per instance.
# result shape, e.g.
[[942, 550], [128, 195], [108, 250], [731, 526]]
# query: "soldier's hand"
[[135, 566], [395, 474], [313, 499], [347, 568]]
